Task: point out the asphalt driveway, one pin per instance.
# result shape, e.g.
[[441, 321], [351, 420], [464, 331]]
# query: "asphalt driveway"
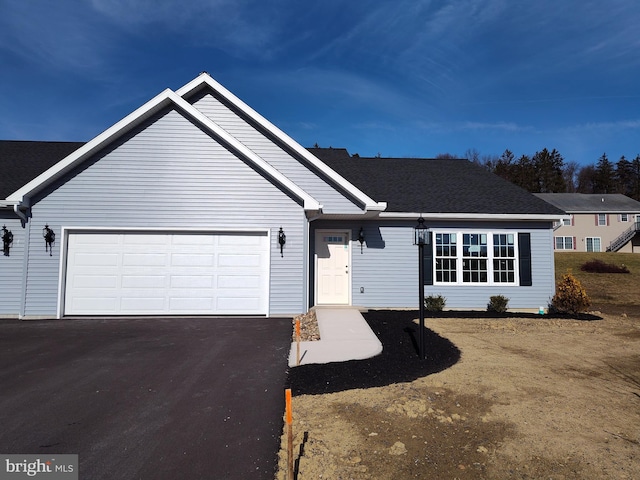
[[154, 398]]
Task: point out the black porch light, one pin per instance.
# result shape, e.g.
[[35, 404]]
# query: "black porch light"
[[421, 238], [49, 239], [361, 238], [282, 239], [7, 240]]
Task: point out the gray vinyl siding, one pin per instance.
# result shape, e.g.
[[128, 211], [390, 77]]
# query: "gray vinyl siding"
[[11, 267], [332, 200], [168, 175], [387, 268]]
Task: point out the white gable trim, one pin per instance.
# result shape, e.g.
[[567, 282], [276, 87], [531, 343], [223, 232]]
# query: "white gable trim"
[[163, 100], [205, 79]]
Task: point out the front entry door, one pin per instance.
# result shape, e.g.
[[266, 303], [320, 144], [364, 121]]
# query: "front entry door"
[[332, 267]]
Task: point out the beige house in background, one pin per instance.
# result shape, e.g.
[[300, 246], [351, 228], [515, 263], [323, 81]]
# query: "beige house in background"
[[596, 222]]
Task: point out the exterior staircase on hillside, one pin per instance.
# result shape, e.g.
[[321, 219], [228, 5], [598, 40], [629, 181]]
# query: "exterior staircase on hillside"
[[622, 240]]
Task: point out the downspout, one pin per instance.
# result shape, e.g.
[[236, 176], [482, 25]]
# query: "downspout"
[[20, 213]]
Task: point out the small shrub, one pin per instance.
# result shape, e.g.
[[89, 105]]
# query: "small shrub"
[[598, 266], [570, 296], [435, 303], [497, 304]]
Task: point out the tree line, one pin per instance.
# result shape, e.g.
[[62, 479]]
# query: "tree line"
[[547, 172]]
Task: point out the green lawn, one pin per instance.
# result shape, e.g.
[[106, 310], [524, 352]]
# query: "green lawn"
[[609, 292]]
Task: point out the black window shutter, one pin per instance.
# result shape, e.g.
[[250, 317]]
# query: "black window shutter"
[[524, 255], [428, 261]]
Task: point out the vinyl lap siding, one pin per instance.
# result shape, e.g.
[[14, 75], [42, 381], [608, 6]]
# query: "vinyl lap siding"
[[12, 267], [333, 201], [387, 271], [168, 175], [539, 294]]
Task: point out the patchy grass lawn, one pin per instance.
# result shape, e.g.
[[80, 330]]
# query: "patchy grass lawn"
[[609, 292]]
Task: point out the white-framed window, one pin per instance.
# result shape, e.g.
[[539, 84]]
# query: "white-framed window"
[[602, 219], [592, 244], [475, 258], [564, 243], [566, 221], [624, 217]]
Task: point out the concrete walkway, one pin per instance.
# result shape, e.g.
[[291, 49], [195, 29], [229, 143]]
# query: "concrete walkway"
[[344, 335]]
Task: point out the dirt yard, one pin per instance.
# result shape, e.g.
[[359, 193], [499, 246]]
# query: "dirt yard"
[[510, 398]]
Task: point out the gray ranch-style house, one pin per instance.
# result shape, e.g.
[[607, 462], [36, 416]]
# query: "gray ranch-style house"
[[194, 204]]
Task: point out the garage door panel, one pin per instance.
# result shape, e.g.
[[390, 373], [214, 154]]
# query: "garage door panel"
[[96, 259], [125, 273], [239, 260], [236, 305], [105, 305], [192, 281], [143, 281], [190, 259], [95, 281], [144, 260]]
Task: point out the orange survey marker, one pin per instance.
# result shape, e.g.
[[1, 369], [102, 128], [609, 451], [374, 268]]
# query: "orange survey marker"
[[289, 416]]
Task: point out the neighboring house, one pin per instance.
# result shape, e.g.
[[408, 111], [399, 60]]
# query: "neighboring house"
[[196, 204], [596, 222]]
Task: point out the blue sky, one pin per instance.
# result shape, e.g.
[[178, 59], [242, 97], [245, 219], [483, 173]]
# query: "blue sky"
[[412, 78]]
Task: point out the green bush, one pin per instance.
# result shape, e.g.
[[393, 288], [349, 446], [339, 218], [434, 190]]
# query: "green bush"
[[435, 303], [497, 304], [570, 296]]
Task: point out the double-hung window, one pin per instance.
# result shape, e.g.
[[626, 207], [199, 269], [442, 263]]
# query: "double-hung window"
[[564, 243], [446, 255], [475, 258], [504, 257]]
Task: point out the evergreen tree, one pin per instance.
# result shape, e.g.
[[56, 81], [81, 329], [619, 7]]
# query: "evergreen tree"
[[623, 177], [604, 176], [548, 167]]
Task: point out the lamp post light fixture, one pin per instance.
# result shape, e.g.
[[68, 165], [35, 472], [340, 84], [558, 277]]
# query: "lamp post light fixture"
[[7, 240], [421, 238], [361, 238], [282, 239], [49, 239]]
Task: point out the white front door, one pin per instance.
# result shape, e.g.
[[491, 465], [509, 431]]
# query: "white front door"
[[332, 267]]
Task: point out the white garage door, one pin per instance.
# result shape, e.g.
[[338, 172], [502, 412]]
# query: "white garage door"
[[171, 274]]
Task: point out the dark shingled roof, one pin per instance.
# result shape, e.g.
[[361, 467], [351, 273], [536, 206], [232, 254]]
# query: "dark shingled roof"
[[433, 185], [591, 202], [22, 161]]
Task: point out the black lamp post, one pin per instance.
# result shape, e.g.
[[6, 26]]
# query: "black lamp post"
[[421, 238]]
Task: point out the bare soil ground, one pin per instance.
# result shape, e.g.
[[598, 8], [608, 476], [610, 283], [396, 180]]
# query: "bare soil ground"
[[510, 398]]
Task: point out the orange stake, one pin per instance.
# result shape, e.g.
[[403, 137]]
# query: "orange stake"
[[289, 416]]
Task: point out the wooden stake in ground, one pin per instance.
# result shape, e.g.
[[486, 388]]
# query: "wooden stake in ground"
[[289, 416], [297, 342]]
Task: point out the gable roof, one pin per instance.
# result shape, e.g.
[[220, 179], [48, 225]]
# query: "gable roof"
[[591, 203], [204, 80], [22, 161], [163, 100], [436, 186]]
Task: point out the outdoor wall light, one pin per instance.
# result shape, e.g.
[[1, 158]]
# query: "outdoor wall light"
[[7, 240], [361, 238], [282, 239], [49, 239], [421, 233]]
